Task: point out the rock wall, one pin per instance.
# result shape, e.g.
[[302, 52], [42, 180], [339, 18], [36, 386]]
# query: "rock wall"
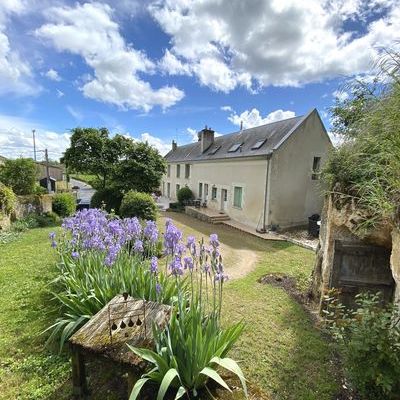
[[340, 224]]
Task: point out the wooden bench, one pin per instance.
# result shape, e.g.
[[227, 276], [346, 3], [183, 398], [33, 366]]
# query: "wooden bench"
[[124, 320]]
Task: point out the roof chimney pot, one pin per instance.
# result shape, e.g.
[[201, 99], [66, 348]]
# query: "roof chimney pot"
[[174, 145]]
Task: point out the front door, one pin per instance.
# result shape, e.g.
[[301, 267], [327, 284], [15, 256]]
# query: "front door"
[[224, 199], [205, 191], [200, 190]]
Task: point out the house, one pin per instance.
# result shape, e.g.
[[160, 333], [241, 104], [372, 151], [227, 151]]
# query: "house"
[[57, 172], [264, 177]]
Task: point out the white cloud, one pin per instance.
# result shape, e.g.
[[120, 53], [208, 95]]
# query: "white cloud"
[[284, 43], [15, 73], [90, 31], [226, 108], [59, 93], [53, 75], [172, 65], [193, 134], [254, 118], [162, 146], [340, 95], [77, 115], [16, 138]]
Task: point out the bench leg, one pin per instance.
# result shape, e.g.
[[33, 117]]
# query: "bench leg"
[[78, 375]]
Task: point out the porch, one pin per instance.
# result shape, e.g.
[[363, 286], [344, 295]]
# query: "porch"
[[207, 214]]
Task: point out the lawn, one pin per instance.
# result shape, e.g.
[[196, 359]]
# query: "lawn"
[[282, 354]]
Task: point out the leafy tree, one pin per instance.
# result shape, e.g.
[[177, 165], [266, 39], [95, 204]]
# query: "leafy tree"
[[141, 169], [20, 175], [136, 204], [92, 151]]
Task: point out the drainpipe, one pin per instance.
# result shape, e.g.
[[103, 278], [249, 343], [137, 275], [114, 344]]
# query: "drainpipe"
[[266, 194]]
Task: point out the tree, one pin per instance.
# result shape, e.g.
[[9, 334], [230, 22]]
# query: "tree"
[[92, 151], [20, 175], [141, 169]]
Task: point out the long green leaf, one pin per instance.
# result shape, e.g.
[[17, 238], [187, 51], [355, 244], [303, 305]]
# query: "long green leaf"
[[181, 392], [137, 388], [166, 382], [211, 373]]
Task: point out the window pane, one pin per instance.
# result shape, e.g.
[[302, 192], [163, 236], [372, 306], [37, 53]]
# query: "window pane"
[[178, 170]]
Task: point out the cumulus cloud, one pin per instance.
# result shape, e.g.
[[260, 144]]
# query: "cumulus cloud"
[[253, 117], [53, 75], [162, 146], [15, 74], [16, 138], [227, 44], [340, 95], [89, 30], [193, 134]]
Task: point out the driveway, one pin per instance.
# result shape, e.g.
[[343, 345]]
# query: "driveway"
[[84, 193]]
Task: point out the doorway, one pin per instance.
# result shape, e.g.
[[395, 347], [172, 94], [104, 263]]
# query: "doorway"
[[224, 200]]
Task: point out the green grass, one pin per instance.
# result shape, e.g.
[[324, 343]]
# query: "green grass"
[[283, 356]]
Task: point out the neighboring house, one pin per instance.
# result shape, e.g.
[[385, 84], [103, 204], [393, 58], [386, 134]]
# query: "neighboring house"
[[56, 172], [264, 177]]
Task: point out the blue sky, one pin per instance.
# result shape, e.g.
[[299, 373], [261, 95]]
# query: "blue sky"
[[161, 70]]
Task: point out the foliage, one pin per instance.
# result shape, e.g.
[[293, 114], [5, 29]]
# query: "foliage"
[[7, 200], [64, 204], [366, 168], [193, 346], [185, 194], [140, 205], [20, 175], [117, 162], [92, 151], [370, 340], [107, 198], [101, 257], [47, 219], [39, 190], [141, 169]]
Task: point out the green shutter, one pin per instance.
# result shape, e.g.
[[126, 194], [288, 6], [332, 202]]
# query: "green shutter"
[[237, 197]]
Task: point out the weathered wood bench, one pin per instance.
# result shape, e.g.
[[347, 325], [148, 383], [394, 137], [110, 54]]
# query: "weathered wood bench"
[[122, 321]]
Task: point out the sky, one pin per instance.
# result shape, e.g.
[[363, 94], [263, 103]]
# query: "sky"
[[161, 70]]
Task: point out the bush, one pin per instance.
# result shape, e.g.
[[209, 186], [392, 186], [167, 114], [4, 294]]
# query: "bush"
[[185, 194], [140, 205], [39, 190], [19, 175], [7, 200], [47, 219], [64, 204], [369, 338], [108, 198]]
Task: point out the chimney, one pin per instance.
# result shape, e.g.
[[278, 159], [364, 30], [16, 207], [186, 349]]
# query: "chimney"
[[206, 137], [174, 145]]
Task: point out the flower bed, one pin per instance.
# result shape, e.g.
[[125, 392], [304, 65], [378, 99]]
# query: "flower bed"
[[102, 256]]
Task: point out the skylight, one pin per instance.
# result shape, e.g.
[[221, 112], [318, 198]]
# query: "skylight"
[[234, 147], [214, 150], [258, 144]]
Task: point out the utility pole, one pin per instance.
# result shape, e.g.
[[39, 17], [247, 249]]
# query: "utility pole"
[[34, 144], [46, 156]]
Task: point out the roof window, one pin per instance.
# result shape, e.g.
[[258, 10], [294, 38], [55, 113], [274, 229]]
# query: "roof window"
[[258, 144], [214, 150], [234, 147]]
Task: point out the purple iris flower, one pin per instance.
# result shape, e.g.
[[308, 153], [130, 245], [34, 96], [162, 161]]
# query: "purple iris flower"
[[75, 255], [154, 265], [138, 246], [53, 244], [176, 266], [158, 288], [188, 263], [52, 235], [214, 240], [151, 231]]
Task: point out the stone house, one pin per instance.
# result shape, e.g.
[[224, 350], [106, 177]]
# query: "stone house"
[[264, 177]]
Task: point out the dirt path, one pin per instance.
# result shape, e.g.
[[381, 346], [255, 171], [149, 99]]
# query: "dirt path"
[[240, 251]]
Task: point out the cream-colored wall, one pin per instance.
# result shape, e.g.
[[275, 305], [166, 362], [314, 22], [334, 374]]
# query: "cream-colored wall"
[[246, 173], [294, 196]]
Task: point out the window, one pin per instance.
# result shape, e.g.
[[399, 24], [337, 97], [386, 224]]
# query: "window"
[[177, 189], [168, 190], [214, 150], [258, 144], [178, 170], [200, 190], [206, 191], [169, 171], [237, 196], [316, 169], [234, 147], [187, 171], [213, 193]]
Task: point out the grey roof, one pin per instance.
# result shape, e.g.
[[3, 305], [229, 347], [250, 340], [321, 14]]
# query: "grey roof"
[[273, 134]]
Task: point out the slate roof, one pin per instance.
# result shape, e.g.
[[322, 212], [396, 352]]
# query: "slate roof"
[[272, 134]]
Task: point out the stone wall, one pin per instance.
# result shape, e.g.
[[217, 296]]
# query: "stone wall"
[[339, 223]]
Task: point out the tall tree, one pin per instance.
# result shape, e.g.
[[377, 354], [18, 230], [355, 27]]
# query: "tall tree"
[[20, 175], [140, 170], [92, 151]]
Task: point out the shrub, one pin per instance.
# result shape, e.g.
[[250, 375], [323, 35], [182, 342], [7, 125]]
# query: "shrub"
[[7, 200], [20, 175], [185, 194], [47, 219], [109, 198], [175, 207], [38, 190], [64, 204], [369, 338], [140, 205]]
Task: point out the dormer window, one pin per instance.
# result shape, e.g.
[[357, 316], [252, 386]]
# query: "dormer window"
[[214, 150], [258, 144], [235, 147]]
